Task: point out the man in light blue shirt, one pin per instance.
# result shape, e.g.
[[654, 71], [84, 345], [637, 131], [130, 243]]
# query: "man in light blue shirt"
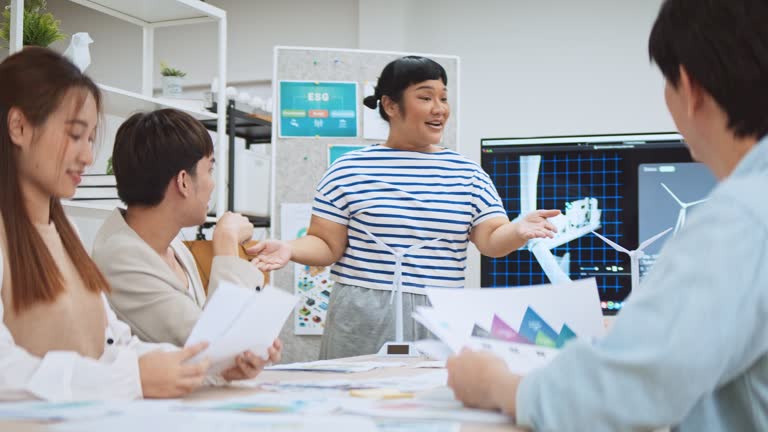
[[690, 349]]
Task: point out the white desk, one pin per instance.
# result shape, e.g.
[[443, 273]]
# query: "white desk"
[[214, 393]]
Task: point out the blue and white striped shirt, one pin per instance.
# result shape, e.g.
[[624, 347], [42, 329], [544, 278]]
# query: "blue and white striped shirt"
[[405, 198]]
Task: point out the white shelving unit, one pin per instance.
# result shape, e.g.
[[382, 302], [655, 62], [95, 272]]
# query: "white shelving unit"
[[122, 103], [149, 15]]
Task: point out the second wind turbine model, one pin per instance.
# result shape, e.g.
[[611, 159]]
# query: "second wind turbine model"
[[683, 208], [634, 255]]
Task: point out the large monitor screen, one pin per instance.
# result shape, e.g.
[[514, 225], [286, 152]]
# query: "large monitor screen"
[[628, 188]]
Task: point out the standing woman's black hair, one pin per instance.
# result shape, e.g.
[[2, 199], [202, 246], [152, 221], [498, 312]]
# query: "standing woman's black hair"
[[398, 75]]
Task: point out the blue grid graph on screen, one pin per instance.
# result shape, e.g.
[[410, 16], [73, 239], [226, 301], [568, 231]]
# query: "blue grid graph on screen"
[[563, 178]]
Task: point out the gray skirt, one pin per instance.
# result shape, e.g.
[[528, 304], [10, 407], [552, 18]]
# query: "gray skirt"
[[360, 320]]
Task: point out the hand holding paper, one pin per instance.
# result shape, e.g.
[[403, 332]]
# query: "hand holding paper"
[[248, 365], [169, 374], [522, 321], [237, 320], [481, 380]]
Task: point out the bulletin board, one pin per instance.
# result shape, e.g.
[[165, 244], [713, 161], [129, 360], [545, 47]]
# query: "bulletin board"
[[298, 163]]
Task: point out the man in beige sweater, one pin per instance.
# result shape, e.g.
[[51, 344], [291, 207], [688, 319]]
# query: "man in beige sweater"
[[163, 163]]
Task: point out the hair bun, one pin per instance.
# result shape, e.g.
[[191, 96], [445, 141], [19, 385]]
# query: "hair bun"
[[371, 101]]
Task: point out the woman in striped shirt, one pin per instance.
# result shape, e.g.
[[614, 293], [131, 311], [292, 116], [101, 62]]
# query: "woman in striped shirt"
[[400, 215]]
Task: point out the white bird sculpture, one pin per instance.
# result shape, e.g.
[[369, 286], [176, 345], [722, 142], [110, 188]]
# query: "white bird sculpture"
[[78, 51]]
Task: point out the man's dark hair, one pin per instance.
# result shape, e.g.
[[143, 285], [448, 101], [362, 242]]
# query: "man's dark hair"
[[723, 45], [151, 149]]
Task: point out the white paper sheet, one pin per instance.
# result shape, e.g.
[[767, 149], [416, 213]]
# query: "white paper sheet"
[[423, 409], [68, 411], [457, 311], [521, 358], [576, 303], [439, 322], [431, 348], [335, 366], [53, 411], [219, 421], [398, 425], [305, 403], [236, 320], [414, 383], [431, 364]]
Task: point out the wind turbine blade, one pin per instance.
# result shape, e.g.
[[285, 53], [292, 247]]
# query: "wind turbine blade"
[[683, 214], [680, 220], [549, 264], [565, 262], [691, 204], [647, 243], [612, 244], [682, 204], [529, 182]]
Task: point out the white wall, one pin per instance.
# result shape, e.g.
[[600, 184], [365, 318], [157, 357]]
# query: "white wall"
[[553, 67], [382, 25]]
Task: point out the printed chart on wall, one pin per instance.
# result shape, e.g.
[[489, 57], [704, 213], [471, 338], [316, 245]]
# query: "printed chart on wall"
[[313, 284], [318, 109]]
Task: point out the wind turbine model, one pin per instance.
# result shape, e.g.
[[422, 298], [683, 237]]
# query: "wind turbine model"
[[634, 255], [581, 217], [683, 208]]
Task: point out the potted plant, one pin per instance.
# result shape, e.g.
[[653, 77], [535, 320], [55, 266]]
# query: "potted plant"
[[41, 28], [172, 80]]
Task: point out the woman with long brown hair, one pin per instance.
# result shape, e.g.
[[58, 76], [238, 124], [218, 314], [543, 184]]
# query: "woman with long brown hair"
[[59, 340]]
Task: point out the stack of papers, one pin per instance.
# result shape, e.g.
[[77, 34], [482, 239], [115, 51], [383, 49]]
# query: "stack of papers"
[[236, 320], [525, 326]]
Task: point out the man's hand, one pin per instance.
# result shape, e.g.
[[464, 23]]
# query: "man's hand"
[[231, 231], [482, 380]]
